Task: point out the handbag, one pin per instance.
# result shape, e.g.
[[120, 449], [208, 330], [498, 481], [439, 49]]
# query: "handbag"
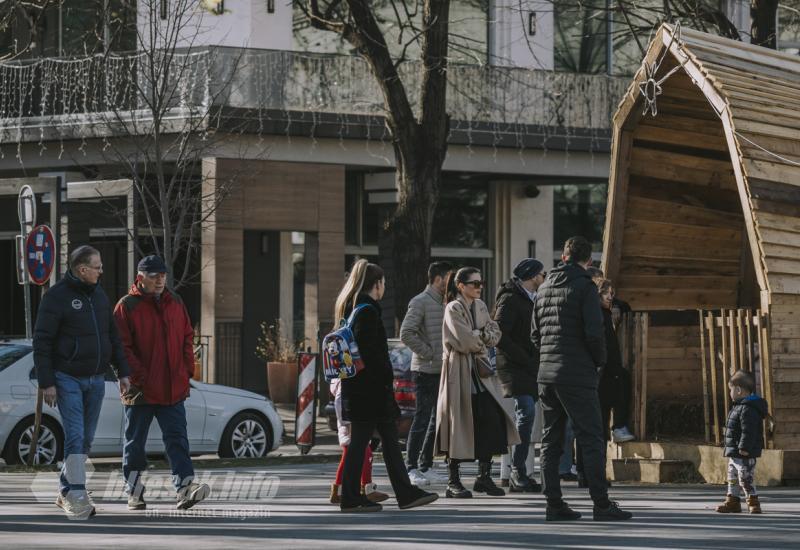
[[483, 365]]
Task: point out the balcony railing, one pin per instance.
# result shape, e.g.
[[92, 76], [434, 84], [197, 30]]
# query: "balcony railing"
[[71, 92]]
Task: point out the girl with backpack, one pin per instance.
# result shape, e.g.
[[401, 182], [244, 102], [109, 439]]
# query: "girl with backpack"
[[368, 488], [368, 397]]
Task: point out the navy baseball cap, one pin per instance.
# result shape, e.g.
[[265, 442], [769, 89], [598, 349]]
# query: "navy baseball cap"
[[152, 264]]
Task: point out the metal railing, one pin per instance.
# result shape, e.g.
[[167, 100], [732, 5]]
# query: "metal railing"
[[37, 92]]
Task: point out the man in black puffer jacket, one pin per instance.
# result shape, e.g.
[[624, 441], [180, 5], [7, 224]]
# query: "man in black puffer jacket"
[[74, 341], [568, 330], [518, 361]]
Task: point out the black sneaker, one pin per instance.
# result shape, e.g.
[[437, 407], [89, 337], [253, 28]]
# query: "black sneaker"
[[612, 513], [362, 506], [569, 476], [523, 485], [561, 513], [420, 499]]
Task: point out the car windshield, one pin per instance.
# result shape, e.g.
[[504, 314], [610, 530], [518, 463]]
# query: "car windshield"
[[11, 353]]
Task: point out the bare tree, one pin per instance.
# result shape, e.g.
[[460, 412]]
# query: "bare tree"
[[166, 119], [419, 136]]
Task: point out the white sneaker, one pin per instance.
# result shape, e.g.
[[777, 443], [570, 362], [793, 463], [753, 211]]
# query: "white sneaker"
[[620, 435], [76, 504], [434, 477], [192, 494], [418, 478]]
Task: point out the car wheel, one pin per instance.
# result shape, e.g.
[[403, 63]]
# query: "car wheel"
[[247, 435], [49, 449]]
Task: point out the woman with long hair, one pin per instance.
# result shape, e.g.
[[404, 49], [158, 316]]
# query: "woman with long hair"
[[368, 398], [471, 420]]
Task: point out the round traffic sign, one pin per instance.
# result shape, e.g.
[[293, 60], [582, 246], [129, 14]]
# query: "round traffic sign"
[[40, 254]]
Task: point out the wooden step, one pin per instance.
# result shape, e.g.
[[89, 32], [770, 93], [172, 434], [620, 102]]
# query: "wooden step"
[[653, 470]]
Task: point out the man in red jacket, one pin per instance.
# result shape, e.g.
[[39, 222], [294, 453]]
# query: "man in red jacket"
[[157, 334]]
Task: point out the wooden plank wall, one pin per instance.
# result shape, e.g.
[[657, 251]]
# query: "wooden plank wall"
[[673, 362], [682, 242], [785, 357]]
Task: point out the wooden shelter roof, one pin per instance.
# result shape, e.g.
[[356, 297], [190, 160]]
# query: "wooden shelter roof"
[[755, 93]]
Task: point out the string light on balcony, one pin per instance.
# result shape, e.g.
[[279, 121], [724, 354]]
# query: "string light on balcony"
[[51, 100]]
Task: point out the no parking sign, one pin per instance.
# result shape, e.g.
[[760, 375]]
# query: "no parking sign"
[[40, 254]]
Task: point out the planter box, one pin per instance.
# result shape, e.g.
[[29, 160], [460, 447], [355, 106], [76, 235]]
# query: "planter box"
[[282, 382]]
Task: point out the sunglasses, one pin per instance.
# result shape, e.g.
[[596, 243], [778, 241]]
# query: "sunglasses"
[[475, 284]]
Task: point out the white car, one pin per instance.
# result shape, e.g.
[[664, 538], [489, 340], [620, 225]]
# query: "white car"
[[231, 422]]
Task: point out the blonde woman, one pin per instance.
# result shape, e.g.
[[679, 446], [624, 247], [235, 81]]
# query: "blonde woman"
[[368, 398], [471, 422]]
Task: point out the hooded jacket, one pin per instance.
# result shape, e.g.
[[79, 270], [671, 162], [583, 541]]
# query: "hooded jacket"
[[745, 427], [568, 328], [157, 335], [517, 358], [75, 333]]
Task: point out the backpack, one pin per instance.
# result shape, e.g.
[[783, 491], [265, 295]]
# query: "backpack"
[[340, 355]]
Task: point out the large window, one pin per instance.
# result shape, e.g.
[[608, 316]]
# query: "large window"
[[68, 28], [461, 222], [580, 40], [579, 209], [789, 27], [468, 30]]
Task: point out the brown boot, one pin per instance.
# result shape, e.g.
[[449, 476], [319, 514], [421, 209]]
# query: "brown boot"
[[335, 498], [732, 505], [373, 495], [753, 504]]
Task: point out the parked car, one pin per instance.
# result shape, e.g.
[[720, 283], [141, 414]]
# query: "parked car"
[[231, 422], [404, 387]]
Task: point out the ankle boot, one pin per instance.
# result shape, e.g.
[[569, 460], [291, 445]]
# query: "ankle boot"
[[732, 505], [753, 504], [370, 491], [454, 487], [484, 482], [335, 498]]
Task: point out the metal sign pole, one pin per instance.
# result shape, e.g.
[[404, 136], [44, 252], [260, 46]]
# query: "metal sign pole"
[[26, 209]]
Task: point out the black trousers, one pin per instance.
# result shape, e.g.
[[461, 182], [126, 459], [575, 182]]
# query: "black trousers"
[[615, 394], [582, 405], [360, 435]]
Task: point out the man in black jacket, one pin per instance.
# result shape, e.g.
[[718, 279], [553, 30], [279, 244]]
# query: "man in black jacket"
[[568, 331], [74, 341], [518, 361]]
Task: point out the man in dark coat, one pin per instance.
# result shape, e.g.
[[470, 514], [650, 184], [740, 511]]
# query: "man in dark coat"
[[518, 361], [568, 331], [74, 341]]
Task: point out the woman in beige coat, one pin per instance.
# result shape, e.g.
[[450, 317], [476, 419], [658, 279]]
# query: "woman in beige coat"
[[470, 419]]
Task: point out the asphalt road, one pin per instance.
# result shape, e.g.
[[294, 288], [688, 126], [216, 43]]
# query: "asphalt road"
[[286, 506]]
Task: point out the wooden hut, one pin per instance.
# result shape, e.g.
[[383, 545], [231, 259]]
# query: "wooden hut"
[[703, 224]]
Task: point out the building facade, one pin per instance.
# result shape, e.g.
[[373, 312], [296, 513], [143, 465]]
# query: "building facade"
[[279, 128]]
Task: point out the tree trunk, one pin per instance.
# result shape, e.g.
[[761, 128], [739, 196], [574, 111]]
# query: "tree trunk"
[[406, 237], [764, 14]]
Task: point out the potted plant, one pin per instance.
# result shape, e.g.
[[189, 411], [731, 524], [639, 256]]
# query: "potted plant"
[[280, 354]]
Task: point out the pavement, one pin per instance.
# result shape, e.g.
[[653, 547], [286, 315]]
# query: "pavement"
[[286, 506]]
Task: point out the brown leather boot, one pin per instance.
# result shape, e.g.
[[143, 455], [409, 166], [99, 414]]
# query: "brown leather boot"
[[732, 505], [373, 495], [753, 504], [335, 498]]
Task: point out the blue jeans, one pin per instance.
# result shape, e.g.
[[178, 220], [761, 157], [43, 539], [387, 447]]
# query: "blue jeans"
[[525, 406], [565, 466], [422, 433], [79, 403], [172, 421]]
